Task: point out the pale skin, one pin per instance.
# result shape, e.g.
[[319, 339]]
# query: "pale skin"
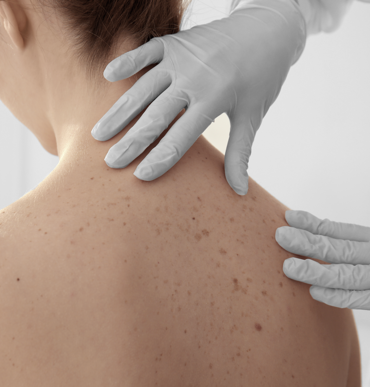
[[109, 280]]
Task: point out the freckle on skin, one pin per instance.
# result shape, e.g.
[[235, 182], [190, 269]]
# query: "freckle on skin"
[[81, 229], [264, 292], [205, 232], [249, 280], [222, 251], [258, 326], [198, 237], [281, 284], [17, 279]]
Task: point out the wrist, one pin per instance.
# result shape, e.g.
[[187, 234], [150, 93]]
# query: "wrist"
[[285, 19]]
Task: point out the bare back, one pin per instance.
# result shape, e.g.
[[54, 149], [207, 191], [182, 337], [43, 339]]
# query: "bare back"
[[107, 280]]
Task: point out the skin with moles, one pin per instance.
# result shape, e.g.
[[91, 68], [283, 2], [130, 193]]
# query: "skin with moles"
[[109, 280]]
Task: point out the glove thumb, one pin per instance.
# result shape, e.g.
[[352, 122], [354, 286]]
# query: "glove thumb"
[[238, 151], [135, 60]]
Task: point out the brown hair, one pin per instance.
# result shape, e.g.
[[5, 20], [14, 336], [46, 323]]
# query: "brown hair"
[[95, 26]]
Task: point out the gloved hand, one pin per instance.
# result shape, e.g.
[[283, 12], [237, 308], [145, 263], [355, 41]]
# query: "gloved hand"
[[235, 65], [346, 283]]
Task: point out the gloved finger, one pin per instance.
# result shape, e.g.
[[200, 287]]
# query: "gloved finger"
[[238, 151], [134, 101], [352, 299], [306, 221], [148, 128], [175, 143], [343, 276], [133, 61], [324, 248]]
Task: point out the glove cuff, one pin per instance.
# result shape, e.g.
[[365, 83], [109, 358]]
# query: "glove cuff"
[[289, 13]]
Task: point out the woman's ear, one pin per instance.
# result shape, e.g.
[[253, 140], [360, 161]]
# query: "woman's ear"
[[14, 20]]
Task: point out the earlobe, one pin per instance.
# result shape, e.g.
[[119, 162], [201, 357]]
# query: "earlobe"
[[11, 25]]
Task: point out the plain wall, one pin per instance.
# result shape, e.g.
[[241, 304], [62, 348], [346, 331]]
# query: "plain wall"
[[311, 152]]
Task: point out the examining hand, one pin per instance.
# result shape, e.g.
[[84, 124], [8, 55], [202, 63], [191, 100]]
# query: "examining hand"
[[345, 283], [235, 65]]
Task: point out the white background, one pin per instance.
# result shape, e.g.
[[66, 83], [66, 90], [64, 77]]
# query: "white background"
[[311, 152]]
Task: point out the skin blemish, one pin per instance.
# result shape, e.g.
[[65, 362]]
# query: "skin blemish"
[[45, 233], [189, 292], [210, 366], [231, 220], [222, 251], [293, 294], [81, 229], [193, 218], [39, 229], [238, 287], [205, 232], [281, 284], [264, 292], [185, 331], [198, 237], [199, 199], [127, 198], [91, 178], [258, 326], [236, 284], [17, 279], [249, 280]]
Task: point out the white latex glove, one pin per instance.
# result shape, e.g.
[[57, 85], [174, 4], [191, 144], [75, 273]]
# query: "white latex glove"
[[346, 283], [235, 65]]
